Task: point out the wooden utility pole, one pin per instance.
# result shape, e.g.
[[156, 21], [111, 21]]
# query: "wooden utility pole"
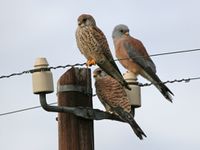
[[74, 89]]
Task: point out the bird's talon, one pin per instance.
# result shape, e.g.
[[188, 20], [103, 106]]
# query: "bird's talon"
[[90, 62]]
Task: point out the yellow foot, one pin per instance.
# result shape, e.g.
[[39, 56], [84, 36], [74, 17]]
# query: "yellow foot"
[[90, 62]]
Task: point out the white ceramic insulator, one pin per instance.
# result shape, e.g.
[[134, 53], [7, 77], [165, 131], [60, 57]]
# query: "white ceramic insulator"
[[134, 94], [42, 80]]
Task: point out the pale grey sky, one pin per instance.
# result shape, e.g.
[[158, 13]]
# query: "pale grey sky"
[[34, 28]]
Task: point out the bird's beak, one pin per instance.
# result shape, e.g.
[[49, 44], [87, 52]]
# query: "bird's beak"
[[127, 33]]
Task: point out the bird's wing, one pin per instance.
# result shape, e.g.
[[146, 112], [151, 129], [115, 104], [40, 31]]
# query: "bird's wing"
[[137, 52], [103, 46], [78, 40], [112, 92], [107, 63]]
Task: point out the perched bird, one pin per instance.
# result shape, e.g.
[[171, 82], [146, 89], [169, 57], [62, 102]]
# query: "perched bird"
[[93, 45], [114, 98], [133, 56]]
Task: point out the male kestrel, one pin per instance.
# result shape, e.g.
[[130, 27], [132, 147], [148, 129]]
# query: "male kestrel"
[[93, 45], [114, 98], [133, 56]]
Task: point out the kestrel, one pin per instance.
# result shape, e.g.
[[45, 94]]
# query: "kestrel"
[[114, 98], [93, 45], [133, 56]]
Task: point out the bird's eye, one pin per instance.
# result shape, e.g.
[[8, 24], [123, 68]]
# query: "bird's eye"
[[84, 20], [121, 31]]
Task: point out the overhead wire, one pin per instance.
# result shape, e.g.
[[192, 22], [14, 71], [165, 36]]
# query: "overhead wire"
[[82, 64], [166, 53], [22, 110], [185, 80]]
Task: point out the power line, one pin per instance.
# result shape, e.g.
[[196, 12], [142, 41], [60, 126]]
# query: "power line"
[[186, 80], [82, 64], [22, 110], [165, 53], [42, 69], [176, 52]]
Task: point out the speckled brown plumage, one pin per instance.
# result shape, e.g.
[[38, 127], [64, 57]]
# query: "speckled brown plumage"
[[115, 100], [112, 93], [93, 45]]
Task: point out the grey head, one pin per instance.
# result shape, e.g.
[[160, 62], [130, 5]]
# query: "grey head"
[[120, 31]]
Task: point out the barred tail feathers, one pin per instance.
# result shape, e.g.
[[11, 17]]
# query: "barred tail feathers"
[[129, 119]]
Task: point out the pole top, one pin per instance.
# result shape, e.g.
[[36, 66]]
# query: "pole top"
[[41, 62]]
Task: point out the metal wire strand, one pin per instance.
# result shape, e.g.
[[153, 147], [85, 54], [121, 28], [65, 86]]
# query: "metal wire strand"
[[41, 69], [184, 80], [82, 64]]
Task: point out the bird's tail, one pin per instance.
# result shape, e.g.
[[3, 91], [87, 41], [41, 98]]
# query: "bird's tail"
[[127, 117], [154, 79], [164, 90]]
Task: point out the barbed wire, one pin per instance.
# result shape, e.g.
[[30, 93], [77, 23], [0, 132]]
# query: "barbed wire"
[[63, 67], [42, 69], [184, 80], [15, 74], [82, 64]]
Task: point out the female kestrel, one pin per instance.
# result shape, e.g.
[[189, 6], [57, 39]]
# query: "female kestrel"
[[114, 98], [133, 56], [93, 45]]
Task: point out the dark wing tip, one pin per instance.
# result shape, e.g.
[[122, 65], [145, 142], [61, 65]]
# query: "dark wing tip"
[[168, 95], [140, 134]]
